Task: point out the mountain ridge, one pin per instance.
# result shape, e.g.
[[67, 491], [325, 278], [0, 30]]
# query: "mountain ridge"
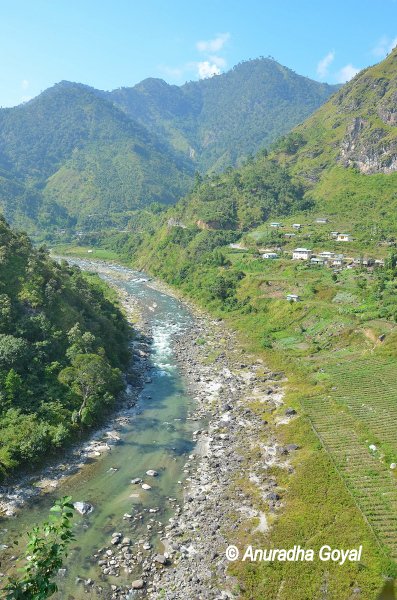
[[79, 157]]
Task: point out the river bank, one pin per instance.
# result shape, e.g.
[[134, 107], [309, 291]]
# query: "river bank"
[[226, 484], [21, 489], [230, 458]]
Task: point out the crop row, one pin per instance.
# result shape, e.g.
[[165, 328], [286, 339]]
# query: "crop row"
[[369, 480]]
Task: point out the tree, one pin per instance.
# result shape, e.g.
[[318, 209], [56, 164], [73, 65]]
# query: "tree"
[[12, 384], [81, 343], [14, 351], [46, 548], [94, 381]]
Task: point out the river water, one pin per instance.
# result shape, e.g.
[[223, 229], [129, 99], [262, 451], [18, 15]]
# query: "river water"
[[158, 436]]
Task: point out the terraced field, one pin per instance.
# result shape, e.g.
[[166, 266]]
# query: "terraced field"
[[369, 390], [361, 410]]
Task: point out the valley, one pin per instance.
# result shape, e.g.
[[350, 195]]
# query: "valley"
[[198, 332]]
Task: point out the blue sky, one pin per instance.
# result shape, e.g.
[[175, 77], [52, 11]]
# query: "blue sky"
[[112, 44]]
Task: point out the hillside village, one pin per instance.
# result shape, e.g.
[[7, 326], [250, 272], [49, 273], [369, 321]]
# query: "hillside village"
[[323, 257]]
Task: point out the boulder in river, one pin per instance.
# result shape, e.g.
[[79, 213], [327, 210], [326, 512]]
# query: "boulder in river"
[[137, 584], [146, 486], [84, 508], [152, 473], [136, 480]]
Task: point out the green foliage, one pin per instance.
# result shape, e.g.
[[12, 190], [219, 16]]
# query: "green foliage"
[[71, 156], [46, 548], [226, 118], [96, 384], [52, 318], [242, 199]]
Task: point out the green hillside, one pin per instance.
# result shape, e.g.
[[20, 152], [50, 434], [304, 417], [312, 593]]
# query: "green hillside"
[[217, 122], [76, 158], [63, 341], [72, 154]]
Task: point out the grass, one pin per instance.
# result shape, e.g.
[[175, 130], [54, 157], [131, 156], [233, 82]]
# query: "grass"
[[86, 252]]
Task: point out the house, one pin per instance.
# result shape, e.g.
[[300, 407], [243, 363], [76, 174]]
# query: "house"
[[338, 260], [326, 255], [293, 297], [344, 237], [368, 262], [334, 234], [90, 251], [379, 262], [275, 224], [317, 261], [364, 262], [296, 226], [271, 255], [321, 221], [302, 254], [289, 235]]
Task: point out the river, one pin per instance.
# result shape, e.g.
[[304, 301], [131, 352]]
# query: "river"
[[157, 435]]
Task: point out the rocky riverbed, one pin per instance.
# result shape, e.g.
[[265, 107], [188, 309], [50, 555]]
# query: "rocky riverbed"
[[229, 458], [228, 484]]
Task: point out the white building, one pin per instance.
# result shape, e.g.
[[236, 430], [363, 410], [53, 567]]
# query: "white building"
[[301, 254], [275, 224], [271, 255], [338, 260], [326, 255], [322, 221], [293, 297], [296, 225], [344, 237]]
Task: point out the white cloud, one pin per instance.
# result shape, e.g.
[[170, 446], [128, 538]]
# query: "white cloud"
[[346, 73], [324, 64], [213, 45], [24, 84], [384, 46], [206, 69], [210, 65]]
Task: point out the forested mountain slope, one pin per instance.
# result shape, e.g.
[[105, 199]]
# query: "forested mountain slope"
[[63, 342], [70, 156], [346, 153], [78, 158], [222, 120]]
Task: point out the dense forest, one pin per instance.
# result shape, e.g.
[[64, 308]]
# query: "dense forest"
[[71, 157], [221, 120], [63, 344], [78, 159]]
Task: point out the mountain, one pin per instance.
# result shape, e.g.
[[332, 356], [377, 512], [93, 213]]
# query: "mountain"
[[73, 153], [219, 121], [76, 157], [55, 324], [345, 154]]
